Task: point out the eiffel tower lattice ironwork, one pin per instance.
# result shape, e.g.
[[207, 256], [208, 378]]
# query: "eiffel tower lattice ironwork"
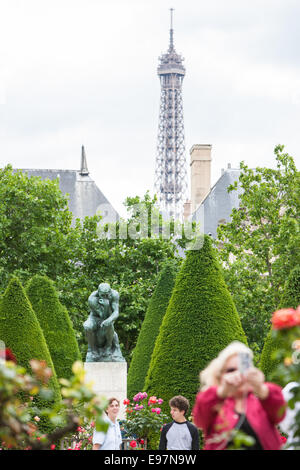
[[171, 166]]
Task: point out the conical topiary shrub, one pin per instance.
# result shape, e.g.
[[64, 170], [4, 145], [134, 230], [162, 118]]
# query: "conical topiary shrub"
[[291, 292], [290, 299], [55, 323], [200, 321], [146, 340], [21, 332]]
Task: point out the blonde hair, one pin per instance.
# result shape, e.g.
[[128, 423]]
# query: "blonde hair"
[[210, 376]]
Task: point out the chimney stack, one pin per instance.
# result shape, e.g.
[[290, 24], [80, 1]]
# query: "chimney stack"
[[187, 210], [200, 173]]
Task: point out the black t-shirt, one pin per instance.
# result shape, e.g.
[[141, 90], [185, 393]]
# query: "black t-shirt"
[[244, 426]]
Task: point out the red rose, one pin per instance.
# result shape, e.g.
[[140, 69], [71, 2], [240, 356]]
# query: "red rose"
[[285, 318], [142, 442], [126, 401], [132, 444], [283, 439]]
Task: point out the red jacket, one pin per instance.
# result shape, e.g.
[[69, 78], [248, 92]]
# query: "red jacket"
[[215, 416]]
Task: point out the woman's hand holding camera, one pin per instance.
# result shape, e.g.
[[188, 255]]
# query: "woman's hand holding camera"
[[256, 379], [230, 382], [252, 380]]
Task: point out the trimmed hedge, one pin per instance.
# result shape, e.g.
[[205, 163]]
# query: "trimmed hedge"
[[267, 363], [291, 292], [55, 323], [290, 299], [155, 312], [22, 333], [200, 321]]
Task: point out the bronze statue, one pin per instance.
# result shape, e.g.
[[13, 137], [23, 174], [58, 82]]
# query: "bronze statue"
[[103, 342]]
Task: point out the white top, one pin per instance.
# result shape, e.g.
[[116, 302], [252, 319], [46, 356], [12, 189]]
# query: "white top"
[[289, 418], [112, 439]]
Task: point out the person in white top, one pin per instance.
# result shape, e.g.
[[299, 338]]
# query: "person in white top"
[[287, 424], [112, 439]]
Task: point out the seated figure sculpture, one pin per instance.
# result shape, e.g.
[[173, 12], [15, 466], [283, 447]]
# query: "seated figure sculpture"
[[103, 342]]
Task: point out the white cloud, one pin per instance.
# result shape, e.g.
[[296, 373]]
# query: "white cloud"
[[76, 72]]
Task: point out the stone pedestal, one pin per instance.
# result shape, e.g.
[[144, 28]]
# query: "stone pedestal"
[[109, 380]]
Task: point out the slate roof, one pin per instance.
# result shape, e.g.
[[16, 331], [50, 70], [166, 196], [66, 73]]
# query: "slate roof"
[[85, 198], [217, 206]]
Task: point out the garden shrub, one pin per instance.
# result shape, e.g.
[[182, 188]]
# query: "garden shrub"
[[55, 323], [150, 327], [22, 333], [290, 299], [291, 292], [200, 321]]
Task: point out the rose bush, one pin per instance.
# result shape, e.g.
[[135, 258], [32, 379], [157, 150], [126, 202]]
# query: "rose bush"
[[286, 329], [143, 418], [19, 416]]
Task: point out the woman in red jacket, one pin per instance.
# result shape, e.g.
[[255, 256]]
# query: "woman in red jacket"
[[232, 399]]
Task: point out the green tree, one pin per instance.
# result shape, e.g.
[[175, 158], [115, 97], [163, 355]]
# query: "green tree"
[[36, 237], [34, 226], [56, 324], [274, 343], [21, 333], [291, 292], [201, 320], [146, 340], [260, 245], [130, 265]]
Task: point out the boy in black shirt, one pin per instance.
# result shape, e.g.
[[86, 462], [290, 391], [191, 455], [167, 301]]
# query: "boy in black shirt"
[[180, 434]]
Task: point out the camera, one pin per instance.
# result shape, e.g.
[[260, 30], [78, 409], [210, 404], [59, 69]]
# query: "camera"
[[244, 361]]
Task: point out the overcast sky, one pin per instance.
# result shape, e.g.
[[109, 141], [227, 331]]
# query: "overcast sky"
[[76, 72]]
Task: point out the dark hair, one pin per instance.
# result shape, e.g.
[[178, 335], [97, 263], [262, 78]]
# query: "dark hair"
[[180, 402], [110, 402]]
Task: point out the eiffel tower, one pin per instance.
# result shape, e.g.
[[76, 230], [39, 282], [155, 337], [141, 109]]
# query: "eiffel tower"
[[171, 166]]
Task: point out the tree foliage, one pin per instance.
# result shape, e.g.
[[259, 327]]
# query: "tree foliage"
[[150, 328], [201, 320], [260, 245], [130, 265], [270, 360], [36, 237], [21, 333], [291, 292], [34, 226], [55, 323]]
